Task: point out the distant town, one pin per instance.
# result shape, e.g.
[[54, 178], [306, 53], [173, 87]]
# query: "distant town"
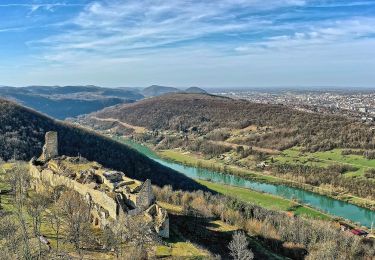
[[359, 104]]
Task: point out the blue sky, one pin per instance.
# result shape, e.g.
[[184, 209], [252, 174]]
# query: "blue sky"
[[211, 43]]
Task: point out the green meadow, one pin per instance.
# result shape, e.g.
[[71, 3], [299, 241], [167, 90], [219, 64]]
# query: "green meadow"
[[265, 200], [327, 158]]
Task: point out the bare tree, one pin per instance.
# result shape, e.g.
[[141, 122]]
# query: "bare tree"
[[115, 236], [134, 232], [9, 235], [36, 206], [55, 221], [76, 216], [55, 213], [19, 181], [138, 232], [239, 247]]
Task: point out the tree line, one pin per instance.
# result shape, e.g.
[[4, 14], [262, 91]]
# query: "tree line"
[[203, 114], [332, 175], [294, 237]]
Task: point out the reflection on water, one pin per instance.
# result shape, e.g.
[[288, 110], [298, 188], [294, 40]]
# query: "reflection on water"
[[332, 206]]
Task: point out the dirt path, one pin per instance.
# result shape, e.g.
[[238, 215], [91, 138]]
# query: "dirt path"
[[137, 129]]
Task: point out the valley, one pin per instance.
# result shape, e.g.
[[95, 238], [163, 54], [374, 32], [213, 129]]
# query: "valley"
[[227, 187], [63, 102], [340, 173], [293, 200], [187, 130], [68, 101]]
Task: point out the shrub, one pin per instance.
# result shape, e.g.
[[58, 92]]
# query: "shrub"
[[369, 155], [370, 174]]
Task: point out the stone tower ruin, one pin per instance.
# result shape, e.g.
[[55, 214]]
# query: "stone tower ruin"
[[110, 194], [50, 148]]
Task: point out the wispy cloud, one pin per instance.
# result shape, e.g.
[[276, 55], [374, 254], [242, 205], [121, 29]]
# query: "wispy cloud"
[[322, 34], [232, 36], [34, 7], [118, 26], [123, 27]]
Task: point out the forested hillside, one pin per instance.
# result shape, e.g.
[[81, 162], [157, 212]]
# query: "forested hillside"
[[155, 90], [69, 101], [284, 127], [22, 136]]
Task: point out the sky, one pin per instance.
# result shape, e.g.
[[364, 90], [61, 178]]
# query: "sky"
[[182, 43]]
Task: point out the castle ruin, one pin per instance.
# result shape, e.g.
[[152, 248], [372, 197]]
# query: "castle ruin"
[[110, 194], [50, 148]]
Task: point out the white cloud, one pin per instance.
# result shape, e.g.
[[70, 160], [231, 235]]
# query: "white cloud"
[[323, 34], [34, 7], [118, 27], [192, 42]]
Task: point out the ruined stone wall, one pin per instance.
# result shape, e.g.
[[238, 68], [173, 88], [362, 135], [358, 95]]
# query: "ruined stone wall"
[[160, 218], [163, 229], [144, 198], [97, 197]]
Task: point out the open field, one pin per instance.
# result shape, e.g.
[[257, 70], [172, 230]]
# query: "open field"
[[213, 164], [262, 199], [137, 129], [327, 158], [178, 247]]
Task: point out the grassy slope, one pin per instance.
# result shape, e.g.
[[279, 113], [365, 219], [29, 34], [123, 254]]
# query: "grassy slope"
[[177, 246], [265, 200], [216, 233], [192, 159], [327, 158]]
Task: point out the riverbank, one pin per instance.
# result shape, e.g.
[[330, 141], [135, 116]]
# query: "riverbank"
[[260, 198], [265, 200], [265, 184], [190, 159]]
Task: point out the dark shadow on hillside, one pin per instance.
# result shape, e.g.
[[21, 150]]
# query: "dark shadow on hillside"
[[201, 231], [119, 156], [23, 129]]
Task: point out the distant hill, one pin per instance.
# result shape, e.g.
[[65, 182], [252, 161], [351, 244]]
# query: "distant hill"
[[286, 127], [195, 90], [69, 101], [22, 133], [87, 92], [155, 90]]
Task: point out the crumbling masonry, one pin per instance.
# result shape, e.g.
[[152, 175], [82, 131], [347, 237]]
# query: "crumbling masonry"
[[110, 194]]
